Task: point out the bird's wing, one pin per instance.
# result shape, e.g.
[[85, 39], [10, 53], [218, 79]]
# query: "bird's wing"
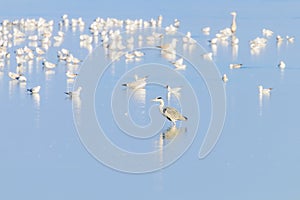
[[172, 113]]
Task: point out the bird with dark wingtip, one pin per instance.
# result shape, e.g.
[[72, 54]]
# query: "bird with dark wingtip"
[[170, 113]]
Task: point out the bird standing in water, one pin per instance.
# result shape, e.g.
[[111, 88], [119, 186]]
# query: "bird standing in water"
[[170, 113]]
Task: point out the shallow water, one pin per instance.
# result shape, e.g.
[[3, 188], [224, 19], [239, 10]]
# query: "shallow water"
[[257, 155]]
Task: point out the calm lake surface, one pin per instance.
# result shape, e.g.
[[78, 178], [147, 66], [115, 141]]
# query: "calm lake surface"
[[256, 157]]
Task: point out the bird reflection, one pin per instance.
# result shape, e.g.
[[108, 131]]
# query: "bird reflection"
[[139, 95], [37, 103], [172, 132], [76, 104], [49, 74], [159, 145], [214, 49], [36, 98], [261, 98], [235, 51], [12, 86]]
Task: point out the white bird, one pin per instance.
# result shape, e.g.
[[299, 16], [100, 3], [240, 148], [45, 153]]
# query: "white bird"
[[188, 38], [129, 56], [34, 90], [234, 40], [71, 75], [48, 64], [233, 24], [235, 66], [281, 65], [170, 113], [279, 38], [173, 90], [179, 64], [267, 32], [264, 91], [75, 93], [206, 30], [169, 46], [290, 39], [21, 78], [213, 40], [13, 75], [224, 78], [207, 56], [138, 54], [39, 51], [137, 84]]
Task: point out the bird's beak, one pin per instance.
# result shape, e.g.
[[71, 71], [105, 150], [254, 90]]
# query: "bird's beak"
[[154, 100]]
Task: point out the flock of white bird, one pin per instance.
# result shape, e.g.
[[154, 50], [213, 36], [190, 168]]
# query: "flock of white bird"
[[30, 40]]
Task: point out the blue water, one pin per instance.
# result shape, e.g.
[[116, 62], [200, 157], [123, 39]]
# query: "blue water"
[[256, 157]]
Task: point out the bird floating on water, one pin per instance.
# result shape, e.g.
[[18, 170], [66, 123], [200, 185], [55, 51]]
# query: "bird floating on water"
[[207, 56], [48, 64], [170, 113], [13, 76], [281, 65], [178, 64], [75, 93], [267, 32], [264, 91], [224, 78], [206, 30], [71, 75], [235, 66], [290, 39], [34, 90], [279, 38], [137, 84]]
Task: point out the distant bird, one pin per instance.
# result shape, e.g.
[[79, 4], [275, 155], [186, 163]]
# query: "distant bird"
[[234, 40], [279, 38], [207, 56], [170, 113], [267, 32], [138, 53], [137, 84], [13, 75], [169, 46], [75, 93], [71, 75], [290, 39], [21, 78], [233, 24], [173, 90], [178, 64], [213, 40], [281, 65], [264, 91], [34, 90], [39, 51], [48, 64], [206, 30], [188, 38], [224, 78], [235, 66], [129, 56]]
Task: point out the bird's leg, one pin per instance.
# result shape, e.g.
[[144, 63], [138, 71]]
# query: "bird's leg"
[[174, 123]]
